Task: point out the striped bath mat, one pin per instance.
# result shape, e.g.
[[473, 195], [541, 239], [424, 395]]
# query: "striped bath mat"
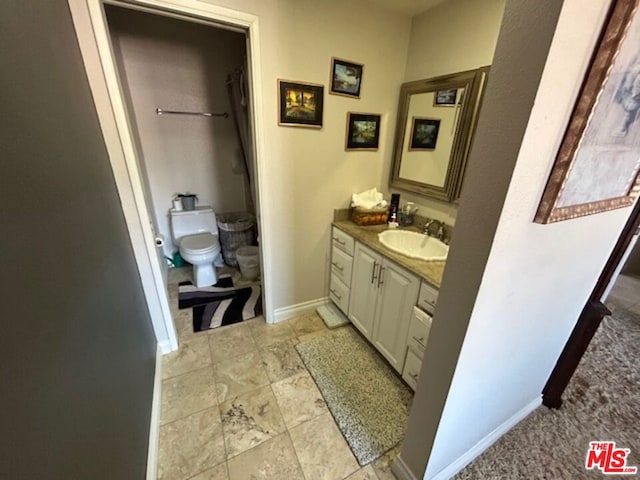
[[221, 304]]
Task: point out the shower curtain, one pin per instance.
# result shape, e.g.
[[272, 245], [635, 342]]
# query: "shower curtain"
[[237, 87]]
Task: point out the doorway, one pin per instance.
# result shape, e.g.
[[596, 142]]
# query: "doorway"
[[92, 30], [594, 311]]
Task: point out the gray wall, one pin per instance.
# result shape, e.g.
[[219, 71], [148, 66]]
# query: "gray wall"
[[522, 48], [76, 347]]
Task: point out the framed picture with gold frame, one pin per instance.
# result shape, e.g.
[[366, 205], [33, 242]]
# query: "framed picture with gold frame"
[[363, 131], [424, 133], [300, 104], [445, 98], [346, 78], [596, 168]]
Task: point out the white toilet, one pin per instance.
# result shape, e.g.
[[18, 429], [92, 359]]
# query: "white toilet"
[[196, 233]]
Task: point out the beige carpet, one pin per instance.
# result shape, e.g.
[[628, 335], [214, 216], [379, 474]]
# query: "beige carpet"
[[602, 402]]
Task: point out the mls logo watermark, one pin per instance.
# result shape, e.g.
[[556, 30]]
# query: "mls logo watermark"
[[609, 459]]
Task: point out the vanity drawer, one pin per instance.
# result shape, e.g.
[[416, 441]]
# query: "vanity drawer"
[[411, 371], [419, 330], [343, 241], [339, 293], [341, 264], [427, 298]]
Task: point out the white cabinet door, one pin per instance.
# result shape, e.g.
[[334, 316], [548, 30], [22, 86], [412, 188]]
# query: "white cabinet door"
[[364, 288], [396, 299]]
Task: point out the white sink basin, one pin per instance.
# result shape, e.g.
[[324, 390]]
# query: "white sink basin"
[[414, 245]]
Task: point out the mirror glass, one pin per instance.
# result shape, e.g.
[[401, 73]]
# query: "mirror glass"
[[432, 128], [436, 118]]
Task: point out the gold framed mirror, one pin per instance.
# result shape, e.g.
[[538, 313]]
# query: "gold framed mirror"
[[436, 120]]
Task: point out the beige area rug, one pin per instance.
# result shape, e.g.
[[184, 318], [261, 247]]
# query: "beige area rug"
[[367, 399], [602, 402]]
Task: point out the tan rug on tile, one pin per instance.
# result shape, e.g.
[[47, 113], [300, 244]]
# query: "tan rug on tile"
[[369, 402], [600, 403]]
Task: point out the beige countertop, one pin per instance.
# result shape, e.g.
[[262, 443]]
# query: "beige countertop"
[[430, 271]]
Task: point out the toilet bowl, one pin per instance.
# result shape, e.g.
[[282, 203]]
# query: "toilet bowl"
[[195, 233], [201, 250]]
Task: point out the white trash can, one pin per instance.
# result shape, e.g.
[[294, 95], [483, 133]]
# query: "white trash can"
[[249, 261]]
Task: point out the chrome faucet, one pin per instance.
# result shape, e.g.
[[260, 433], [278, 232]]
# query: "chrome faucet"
[[440, 233], [428, 225]]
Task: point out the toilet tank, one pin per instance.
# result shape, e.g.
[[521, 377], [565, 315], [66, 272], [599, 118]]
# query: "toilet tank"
[[190, 222]]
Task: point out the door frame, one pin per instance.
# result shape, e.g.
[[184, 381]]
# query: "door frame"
[[92, 32], [591, 317]]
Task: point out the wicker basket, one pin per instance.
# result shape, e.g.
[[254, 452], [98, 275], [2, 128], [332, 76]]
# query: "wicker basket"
[[366, 216]]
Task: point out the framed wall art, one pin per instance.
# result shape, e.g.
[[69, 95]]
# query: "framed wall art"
[[346, 78], [363, 131], [424, 133], [300, 104], [445, 98], [597, 165]]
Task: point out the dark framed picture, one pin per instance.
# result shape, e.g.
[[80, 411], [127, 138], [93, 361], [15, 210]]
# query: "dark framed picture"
[[424, 133], [346, 78], [301, 104], [445, 98], [363, 131]]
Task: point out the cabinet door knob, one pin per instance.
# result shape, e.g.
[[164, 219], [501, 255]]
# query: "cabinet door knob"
[[414, 376], [341, 242], [373, 272], [336, 294], [419, 340], [337, 265]]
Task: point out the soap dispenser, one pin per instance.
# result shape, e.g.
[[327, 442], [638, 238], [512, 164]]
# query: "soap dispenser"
[[393, 210]]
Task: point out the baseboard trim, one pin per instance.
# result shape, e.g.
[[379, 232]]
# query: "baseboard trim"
[[292, 311], [164, 347], [465, 459], [154, 427], [400, 469]]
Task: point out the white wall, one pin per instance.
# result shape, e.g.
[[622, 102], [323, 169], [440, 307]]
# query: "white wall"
[[181, 66], [538, 277], [307, 172], [452, 37], [455, 36]]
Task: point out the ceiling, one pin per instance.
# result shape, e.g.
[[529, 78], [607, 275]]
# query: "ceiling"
[[409, 7]]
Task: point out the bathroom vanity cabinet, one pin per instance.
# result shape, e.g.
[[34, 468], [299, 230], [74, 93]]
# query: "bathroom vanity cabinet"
[[382, 298], [379, 297]]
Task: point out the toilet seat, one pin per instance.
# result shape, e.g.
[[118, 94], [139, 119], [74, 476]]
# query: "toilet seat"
[[200, 244]]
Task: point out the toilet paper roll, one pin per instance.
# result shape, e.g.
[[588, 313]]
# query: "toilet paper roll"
[[159, 241]]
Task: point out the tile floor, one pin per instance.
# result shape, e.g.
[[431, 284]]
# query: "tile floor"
[[238, 403]]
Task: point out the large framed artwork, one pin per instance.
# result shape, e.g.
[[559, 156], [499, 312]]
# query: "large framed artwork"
[[598, 162], [300, 104]]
